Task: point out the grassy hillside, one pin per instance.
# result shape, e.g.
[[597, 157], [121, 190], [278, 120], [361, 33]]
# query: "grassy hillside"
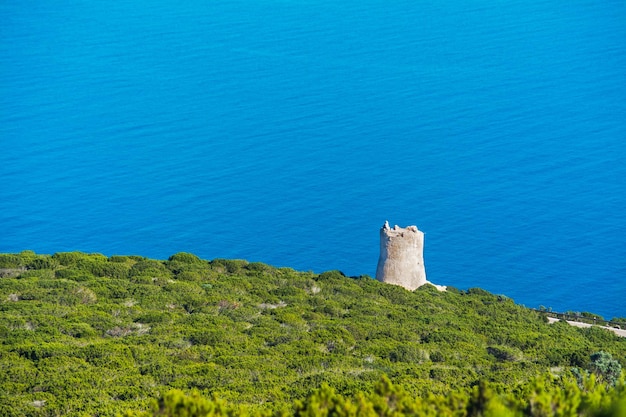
[[83, 334]]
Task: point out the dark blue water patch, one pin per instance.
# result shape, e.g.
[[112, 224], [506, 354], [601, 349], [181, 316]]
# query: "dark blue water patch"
[[287, 133]]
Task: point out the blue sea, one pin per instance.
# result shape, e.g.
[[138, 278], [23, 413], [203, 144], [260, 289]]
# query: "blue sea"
[[288, 131]]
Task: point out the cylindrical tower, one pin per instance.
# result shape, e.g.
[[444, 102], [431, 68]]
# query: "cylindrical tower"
[[401, 260]]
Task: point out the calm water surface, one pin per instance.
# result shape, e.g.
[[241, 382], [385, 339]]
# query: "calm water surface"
[[287, 132]]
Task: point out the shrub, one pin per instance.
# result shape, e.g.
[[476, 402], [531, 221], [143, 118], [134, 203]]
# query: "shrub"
[[149, 267], [8, 260], [186, 258], [505, 353], [605, 367], [69, 258], [232, 266], [46, 262]]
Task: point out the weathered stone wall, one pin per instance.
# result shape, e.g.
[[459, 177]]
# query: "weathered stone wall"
[[401, 260]]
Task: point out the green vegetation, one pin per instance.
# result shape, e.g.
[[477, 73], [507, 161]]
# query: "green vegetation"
[[83, 334], [544, 399]]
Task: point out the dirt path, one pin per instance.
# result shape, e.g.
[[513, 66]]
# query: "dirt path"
[[619, 332]]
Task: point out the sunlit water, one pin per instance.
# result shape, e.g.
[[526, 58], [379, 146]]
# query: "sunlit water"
[[287, 132]]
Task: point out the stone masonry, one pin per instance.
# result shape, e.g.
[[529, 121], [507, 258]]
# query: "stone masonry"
[[401, 260]]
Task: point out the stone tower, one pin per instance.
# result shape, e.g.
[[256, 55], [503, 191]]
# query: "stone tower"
[[401, 260]]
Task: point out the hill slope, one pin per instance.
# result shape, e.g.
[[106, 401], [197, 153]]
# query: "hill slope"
[[83, 333]]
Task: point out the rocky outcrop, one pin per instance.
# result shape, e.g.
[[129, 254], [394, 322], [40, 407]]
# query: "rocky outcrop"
[[401, 260], [11, 272]]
